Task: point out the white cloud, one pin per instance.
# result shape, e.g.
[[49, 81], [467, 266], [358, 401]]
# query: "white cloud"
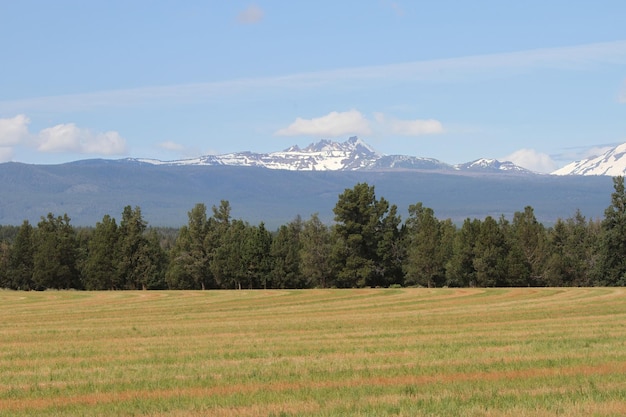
[[415, 127], [533, 160], [6, 154], [70, 138], [14, 130], [252, 14], [334, 124], [171, 146]]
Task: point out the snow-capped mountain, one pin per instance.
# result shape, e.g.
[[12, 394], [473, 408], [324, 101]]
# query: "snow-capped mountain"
[[610, 163], [351, 155], [491, 165]]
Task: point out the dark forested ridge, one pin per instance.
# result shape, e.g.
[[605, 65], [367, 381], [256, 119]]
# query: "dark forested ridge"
[[367, 246], [88, 190]]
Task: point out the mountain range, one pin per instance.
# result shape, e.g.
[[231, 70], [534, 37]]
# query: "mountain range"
[[326, 155], [354, 155], [300, 182]]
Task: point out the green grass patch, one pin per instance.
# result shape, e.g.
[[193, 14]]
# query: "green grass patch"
[[367, 352]]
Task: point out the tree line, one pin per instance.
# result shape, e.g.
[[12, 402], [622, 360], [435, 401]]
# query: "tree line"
[[367, 246]]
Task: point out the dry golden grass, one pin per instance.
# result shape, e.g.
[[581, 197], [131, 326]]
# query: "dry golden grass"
[[401, 352]]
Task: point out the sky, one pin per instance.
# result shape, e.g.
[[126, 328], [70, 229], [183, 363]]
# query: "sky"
[[540, 83]]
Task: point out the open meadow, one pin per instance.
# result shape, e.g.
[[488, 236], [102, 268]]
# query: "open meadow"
[[366, 352]]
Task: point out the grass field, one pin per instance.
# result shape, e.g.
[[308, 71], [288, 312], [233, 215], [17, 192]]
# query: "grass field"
[[370, 352]]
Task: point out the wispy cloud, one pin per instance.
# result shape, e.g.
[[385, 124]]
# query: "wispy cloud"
[[443, 70], [394, 6], [583, 152], [414, 127], [171, 146], [251, 15]]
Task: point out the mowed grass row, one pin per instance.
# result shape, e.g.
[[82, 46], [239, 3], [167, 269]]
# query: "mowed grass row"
[[368, 352]]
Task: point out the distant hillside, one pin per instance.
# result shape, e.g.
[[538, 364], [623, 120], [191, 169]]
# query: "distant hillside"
[[86, 190]]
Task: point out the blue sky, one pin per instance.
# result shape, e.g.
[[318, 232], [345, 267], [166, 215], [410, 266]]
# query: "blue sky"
[[541, 83]]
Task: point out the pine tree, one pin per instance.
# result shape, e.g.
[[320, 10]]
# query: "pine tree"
[[460, 269], [189, 266], [132, 267], [21, 259], [286, 253], [425, 257], [362, 225], [100, 270], [612, 265], [315, 253], [54, 258], [490, 255]]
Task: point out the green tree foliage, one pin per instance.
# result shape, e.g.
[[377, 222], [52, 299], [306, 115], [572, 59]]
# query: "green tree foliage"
[[367, 246], [286, 252], [256, 258], [573, 256], [460, 269], [363, 230], [5, 253], [612, 262], [155, 261], [242, 259], [21, 259], [315, 262], [54, 257], [100, 269], [490, 255], [528, 244], [141, 260], [189, 267], [426, 256]]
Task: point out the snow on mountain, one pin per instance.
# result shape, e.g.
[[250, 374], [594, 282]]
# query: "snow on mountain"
[[326, 155], [611, 163], [491, 165]]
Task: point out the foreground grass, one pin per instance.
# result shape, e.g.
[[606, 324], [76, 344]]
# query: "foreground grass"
[[371, 352]]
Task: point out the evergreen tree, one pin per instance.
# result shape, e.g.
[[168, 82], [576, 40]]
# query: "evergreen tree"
[[285, 252], [256, 258], [490, 255], [573, 252], [315, 253], [135, 266], [460, 269], [100, 270], [358, 234], [390, 251], [5, 255], [612, 262], [54, 258], [218, 232], [21, 259], [528, 248], [154, 262], [227, 258], [425, 257], [189, 267]]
